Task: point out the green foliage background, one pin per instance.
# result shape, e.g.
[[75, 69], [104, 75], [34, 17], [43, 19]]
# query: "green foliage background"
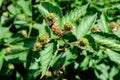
[[62, 58]]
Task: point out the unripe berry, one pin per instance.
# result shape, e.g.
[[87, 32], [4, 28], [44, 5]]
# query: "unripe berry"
[[56, 30], [114, 26], [5, 14], [95, 29], [11, 66], [57, 73], [83, 43], [51, 18], [43, 38], [24, 33], [7, 50], [37, 46], [48, 74], [68, 26]]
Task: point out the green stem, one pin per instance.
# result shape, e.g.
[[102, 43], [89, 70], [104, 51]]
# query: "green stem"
[[30, 29], [7, 45]]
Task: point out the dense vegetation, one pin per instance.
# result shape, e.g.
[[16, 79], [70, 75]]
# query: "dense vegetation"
[[59, 39]]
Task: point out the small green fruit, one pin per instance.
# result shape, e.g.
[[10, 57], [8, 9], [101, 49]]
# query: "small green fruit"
[[48, 74], [7, 50], [11, 66], [83, 42], [5, 14], [51, 19], [57, 73], [37, 46], [51, 16], [114, 26], [95, 29], [68, 26], [43, 38], [24, 33]]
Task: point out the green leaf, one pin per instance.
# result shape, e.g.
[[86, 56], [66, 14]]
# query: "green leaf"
[[108, 40], [16, 49], [85, 63], [117, 33], [17, 52], [113, 72], [70, 56], [2, 53], [44, 12], [84, 26], [92, 45], [42, 28], [1, 1], [4, 32], [20, 22], [19, 76], [103, 71], [59, 61], [75, 14], [65, 58], [25, 5], [53, 60], [7, 22], [46, 56], [101, 56], [114, 56], [45, 8], [103, 24], [13, 9], [27, 43], [33, 65]]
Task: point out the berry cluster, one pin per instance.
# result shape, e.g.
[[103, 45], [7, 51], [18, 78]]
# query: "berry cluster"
[[41, 40], [51, 19]]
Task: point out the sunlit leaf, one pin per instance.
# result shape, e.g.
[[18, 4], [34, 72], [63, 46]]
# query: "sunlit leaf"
[[108, 40], [75, 14], [84, 27], [2, 53], [103, 24], [46, 56]]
